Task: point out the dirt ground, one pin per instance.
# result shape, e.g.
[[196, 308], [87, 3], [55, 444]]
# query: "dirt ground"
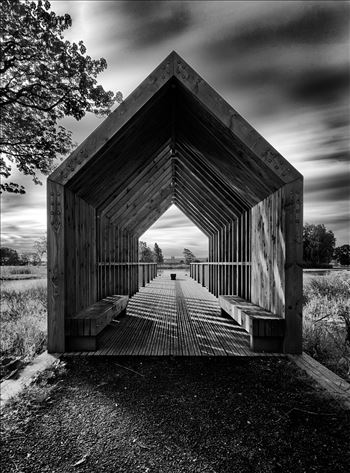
[[174, 415]]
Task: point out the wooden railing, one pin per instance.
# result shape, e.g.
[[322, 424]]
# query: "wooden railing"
[[223, 277], [123, 277], [147, 272]]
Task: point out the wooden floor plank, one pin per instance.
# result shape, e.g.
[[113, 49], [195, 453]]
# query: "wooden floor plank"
[[173, 317]]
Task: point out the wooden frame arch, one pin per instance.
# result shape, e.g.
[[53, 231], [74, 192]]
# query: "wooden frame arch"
[[174, 140]]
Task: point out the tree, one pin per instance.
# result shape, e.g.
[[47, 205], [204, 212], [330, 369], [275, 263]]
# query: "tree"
[[8, 257], [25, 259], [188, 255], [43, 79], [158, 254], [145, 253], [318, 244], [40, 247], [342, 255]]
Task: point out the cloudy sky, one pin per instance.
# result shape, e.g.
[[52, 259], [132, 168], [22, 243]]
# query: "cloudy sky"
[[283, 65]]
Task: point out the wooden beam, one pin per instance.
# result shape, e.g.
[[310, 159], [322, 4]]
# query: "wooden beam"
[[190, 211], [208, 188], [128, 186], [136, 201], [107, 174], [115, 121], [226, 179], [204, 96], [141, 205], [208, 198], [233, 121], [150, 210], [55, 267], [140, 227], [292, 213], [204, 207], [209, 173], [226, 151]]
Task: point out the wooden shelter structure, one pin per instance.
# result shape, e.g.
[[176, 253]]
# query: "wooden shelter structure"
[[174, 140]]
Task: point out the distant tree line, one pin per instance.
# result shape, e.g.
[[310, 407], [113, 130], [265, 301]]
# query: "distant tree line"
[[147, 255], [10, 257], [318, 249]]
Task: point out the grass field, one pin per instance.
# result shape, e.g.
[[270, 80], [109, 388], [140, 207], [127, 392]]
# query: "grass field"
[[22, 272]]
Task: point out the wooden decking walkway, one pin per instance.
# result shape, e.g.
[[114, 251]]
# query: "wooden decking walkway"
[[179, 318]]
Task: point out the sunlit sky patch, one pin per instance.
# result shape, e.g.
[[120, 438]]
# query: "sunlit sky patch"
[[284, 66]]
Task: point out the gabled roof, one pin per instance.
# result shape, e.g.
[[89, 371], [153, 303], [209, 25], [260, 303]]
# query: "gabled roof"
[[174, 140]]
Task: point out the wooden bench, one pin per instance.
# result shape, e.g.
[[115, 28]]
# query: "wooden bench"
[[265, 328], [82, 329]]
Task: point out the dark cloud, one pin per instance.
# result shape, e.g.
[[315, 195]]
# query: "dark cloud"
[[13, 228], [151, 22], [316, 23], [322, 85], [315, 85], [338, 120], [332, 157], [339, 218], [332, 187], [287, 56]]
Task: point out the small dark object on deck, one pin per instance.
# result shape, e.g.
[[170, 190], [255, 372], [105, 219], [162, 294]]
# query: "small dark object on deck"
[[173, 276]]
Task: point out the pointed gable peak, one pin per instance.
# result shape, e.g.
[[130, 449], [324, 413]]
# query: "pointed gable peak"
[[173, 66]]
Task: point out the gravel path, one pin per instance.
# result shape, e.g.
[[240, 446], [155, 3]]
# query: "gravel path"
[[175, 415]]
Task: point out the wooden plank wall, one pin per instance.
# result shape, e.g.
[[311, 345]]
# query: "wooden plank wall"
[[80, 254], [117, 256], [276, 243], [268, 254], [228, 269], [259, 257], [71, 260]]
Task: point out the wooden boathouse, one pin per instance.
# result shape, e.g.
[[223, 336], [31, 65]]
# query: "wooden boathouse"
[[174, 140]]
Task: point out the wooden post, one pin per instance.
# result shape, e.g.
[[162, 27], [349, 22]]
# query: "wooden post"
[[55, 268], [292, 208]]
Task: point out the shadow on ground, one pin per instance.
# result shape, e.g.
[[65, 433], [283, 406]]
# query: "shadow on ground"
[[177, 415]]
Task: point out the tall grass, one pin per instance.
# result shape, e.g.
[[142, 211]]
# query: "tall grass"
[[22, 272], [23, 322], [326, 328]]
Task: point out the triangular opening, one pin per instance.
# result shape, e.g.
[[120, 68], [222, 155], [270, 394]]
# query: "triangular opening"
[[173, 232]]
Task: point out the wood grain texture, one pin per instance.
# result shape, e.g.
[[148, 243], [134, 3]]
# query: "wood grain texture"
[[265, 328], [56, 270], [276, 246], [335, 386], [174, 140], [292, 199]]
